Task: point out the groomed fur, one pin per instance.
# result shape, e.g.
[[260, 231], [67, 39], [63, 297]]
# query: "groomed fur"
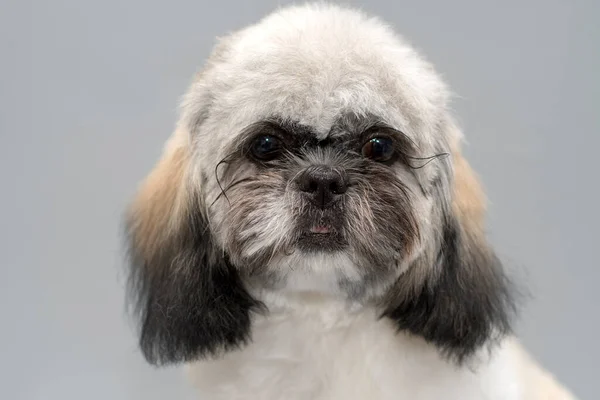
[[233, 263]]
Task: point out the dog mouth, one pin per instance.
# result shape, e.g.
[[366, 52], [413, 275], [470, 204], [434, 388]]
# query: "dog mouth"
[[321, 230], [321, 237]]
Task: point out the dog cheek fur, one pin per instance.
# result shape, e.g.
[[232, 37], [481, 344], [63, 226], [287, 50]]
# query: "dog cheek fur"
[[188, 298], [254, 221], [455, 295], [383, 223]]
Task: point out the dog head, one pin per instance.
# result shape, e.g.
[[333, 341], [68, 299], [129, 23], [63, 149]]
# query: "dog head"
[[314, 152]]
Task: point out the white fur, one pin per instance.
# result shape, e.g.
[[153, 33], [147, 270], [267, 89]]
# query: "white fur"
[[310, 347]]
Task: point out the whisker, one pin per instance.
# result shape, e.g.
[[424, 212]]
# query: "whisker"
[[223, 191], [225, 160], [429, 159]]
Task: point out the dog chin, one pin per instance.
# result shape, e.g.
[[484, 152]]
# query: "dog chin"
[[321, 240], [315, 271]]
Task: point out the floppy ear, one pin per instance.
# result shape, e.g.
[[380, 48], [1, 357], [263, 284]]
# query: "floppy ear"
[[464, 300], [189, 300]]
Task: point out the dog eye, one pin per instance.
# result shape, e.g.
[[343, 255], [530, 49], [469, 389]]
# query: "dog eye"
[[265, 147], [378, 149]]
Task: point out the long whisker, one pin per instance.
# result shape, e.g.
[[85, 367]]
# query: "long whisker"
[[223, 161], [429, 159], [223, 191]]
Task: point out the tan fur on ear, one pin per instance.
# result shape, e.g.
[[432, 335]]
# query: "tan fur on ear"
[[162, 199], [469, 201]]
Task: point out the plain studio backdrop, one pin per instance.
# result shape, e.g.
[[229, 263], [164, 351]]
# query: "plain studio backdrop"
[[88, 95]]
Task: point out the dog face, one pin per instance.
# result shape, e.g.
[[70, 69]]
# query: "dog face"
[[315, 152], [298, 209]]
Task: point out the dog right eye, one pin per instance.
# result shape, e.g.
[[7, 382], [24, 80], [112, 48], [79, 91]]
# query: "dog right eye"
[[266, 147], [379, 149]]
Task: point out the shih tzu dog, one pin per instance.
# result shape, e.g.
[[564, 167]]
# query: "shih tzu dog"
[[313, 231]]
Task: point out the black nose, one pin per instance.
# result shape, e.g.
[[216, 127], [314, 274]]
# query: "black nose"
[[323, 184]]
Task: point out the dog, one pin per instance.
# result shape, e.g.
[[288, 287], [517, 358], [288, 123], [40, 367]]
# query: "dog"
[[313, 231]]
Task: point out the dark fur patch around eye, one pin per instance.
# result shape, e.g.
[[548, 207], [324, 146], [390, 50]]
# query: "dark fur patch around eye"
[[466, 306], [188, 298], [349, 133], [292, 135]]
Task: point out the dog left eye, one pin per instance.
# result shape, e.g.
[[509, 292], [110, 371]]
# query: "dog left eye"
[[266, 147], [378, 149]]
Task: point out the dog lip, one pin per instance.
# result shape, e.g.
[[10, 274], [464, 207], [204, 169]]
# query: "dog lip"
[[320, 229], [321, 238]]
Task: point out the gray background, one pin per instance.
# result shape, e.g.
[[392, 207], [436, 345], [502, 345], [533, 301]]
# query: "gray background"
[[88, 96]]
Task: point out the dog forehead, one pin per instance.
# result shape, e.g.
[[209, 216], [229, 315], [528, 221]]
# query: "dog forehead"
[[312, 65]]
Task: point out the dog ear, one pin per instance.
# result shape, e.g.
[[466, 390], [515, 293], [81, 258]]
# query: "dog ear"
[[187, 297], [464, 300]]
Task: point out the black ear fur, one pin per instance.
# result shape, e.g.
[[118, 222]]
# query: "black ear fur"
[[189, 299], [464, 307]]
